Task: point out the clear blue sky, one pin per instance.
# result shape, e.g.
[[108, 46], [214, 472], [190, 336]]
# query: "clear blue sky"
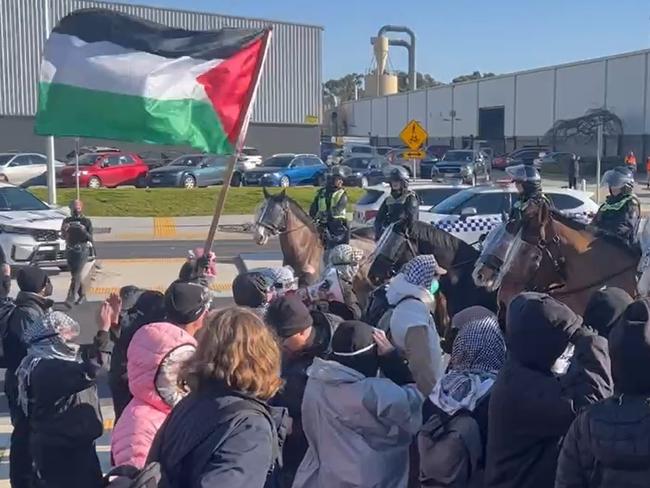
[[456, 36]]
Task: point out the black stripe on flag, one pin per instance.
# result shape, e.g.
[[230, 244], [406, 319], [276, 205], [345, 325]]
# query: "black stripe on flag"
[[96, 25]]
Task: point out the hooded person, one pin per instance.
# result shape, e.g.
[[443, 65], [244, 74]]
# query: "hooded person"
[[345, 261], [412, 327], [604, 309], [134, 308], [452, 442], [283, 280], [303, 335], [359, 426], [253, 289], [57, 392], [607, 444], [530, 408], [155, 355], [31, 304]]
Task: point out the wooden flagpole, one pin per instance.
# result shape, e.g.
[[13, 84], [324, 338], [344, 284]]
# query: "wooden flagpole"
[[221, 199]]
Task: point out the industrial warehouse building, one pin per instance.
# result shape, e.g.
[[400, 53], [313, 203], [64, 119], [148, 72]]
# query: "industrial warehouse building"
[[287, 112], [518, 109]]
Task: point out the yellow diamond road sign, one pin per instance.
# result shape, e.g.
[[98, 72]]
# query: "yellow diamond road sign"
[[413, 135]]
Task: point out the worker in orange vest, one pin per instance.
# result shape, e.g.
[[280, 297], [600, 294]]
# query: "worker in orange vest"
[[630, 161]]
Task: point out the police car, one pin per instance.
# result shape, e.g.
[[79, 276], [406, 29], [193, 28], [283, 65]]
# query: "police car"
[[472, 213], [430, 194]]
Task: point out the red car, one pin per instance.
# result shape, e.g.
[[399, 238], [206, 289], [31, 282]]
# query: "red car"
[[109, 169]]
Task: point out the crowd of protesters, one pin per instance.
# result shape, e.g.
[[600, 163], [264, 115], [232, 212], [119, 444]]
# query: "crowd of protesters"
[[285, 391]]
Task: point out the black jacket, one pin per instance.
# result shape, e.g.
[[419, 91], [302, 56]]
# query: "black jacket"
[[607, 446], [573, 166], [206, 443], [619, 216], [294, 373], [63, 402], [30, 307], [531, 409], [77, 230], [394, 209]]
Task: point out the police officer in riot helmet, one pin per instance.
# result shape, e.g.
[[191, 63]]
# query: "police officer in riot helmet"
[[528, 182], [620, 213], [329, 210], [402, 203]]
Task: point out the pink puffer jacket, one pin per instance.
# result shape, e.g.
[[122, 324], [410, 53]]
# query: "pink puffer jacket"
[[154, 357]]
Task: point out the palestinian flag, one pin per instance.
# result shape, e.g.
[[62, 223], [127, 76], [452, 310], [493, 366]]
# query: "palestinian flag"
[[113, 76]]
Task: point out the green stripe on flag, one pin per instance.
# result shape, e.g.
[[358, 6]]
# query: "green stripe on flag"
[[68, 111]]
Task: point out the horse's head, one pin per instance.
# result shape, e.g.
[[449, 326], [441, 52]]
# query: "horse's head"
[[515, 248], [271, 217], [394, 248]]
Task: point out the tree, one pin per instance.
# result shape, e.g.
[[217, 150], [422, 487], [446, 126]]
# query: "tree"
[[585, 128], [476, 75], [423, 80], [342, 88]]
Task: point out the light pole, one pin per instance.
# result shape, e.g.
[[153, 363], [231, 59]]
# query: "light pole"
[[49, 140]]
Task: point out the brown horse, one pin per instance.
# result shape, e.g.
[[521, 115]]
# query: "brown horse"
[[300, 241], [554, 254]]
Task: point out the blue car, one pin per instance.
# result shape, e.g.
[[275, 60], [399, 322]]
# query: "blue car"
[[286, 170]]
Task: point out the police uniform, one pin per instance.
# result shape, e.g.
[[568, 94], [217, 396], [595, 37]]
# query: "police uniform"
[[518, 208], [619, 215], [329, 210], [395, 208], [78, 233]]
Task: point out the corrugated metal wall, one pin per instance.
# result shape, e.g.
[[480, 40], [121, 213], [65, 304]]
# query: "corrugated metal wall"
[[289, 92]]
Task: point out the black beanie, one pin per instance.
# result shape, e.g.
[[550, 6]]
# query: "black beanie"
[[185, 302], [629, 349], [353, 346], [288, 316], [32, 279], [604, 309], [250, 289]]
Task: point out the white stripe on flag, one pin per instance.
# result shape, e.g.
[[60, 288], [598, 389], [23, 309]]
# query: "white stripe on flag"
[[104, 66]]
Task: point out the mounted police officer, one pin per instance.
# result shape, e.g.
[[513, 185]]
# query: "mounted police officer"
[[402, 203], [329, 210], [528, 182], [620, 213]]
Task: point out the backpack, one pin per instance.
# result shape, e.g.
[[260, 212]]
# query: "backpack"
[[153, 474], [7, 307], [447, 441], [384, 322]]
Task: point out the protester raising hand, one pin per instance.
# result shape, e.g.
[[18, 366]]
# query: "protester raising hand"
[[115, 302], [384, 346]]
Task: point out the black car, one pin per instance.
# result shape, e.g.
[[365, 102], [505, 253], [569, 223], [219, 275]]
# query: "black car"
[[466, 165], [363, 171], [156, 159]]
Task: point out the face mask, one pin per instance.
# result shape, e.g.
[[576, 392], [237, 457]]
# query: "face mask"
[[435, 286], [47, 291]]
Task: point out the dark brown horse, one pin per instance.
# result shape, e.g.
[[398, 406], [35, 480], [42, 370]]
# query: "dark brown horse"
[[300, 241], [554, 254]]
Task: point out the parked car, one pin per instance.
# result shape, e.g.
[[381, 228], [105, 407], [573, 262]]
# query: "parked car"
[[556, 160], [156, 159], [249, 158], [362, 171], [522, 155], [30, 232], [349, 150], [109, 169], [21, 168], [383, 150], [70, 157], [192, 170], [466, 165], [286, 170], [473, 212], [430, 194]]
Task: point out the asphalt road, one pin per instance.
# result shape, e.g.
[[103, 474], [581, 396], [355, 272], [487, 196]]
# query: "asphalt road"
[[225, 250]]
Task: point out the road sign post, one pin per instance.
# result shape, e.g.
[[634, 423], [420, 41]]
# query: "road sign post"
[[414, 135]]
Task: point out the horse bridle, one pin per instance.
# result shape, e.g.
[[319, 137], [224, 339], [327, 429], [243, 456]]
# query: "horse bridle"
[[272, 227]]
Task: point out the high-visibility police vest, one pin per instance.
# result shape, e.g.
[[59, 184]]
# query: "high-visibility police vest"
[[616, 206], [334, 201]]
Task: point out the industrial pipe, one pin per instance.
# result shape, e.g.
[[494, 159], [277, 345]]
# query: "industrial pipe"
[[409, 46]]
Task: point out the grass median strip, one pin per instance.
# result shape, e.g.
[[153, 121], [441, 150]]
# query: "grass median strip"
[[176, 202]]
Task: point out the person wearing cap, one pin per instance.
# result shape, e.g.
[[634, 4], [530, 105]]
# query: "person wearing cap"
[[531, 408], [620, 214], [412, 327], [304, 335], [359, 426], [253, 289], [57, 392], [608, 444], [31, 305], [329, 210], [605, 308], [528, 182], [186, 306], [402, 203], [77, 230]]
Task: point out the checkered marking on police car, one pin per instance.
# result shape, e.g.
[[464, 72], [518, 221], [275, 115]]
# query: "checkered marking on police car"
[[470, 225]]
